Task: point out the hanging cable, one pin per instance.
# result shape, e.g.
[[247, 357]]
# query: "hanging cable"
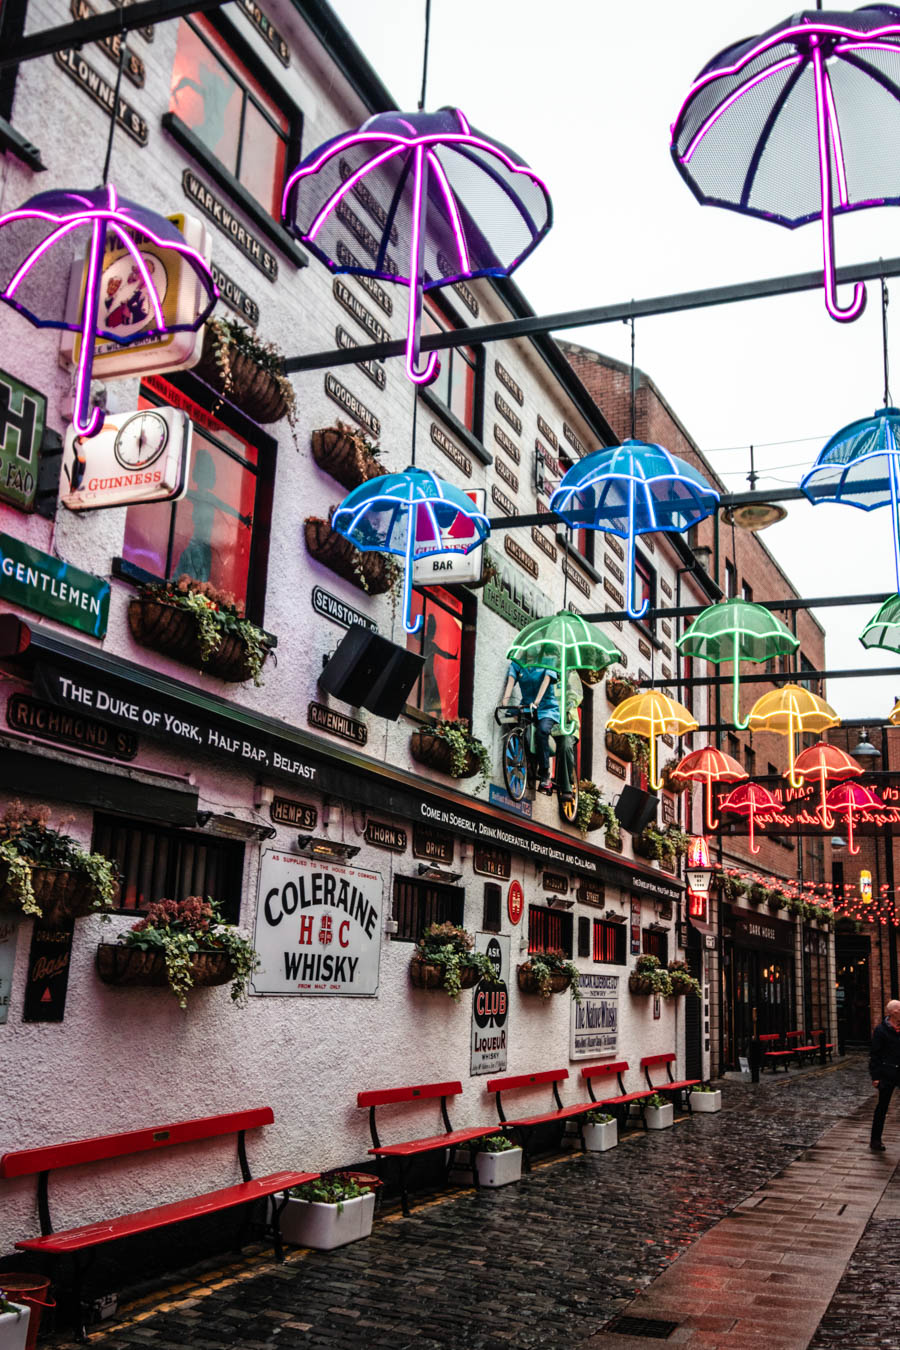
[[415, 411], [885, 301], [123, 51], [425, 55], [632, 377]]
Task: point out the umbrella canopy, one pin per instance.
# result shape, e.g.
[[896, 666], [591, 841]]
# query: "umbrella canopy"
[[633, 489], [563, 642], [746, 800], [798, 124], [710, 765], [788, 711], [883, 630], [652, 714], [894, 714], [850, 797], [409, 513], [736, 631], [34, 278], [860, 466], [441, 201], [825, 761]]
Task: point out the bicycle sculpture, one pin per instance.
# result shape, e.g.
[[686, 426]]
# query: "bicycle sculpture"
[[520, 757]]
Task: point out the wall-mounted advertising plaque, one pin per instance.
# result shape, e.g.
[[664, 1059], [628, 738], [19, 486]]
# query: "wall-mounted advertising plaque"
[[135, 457], [435, 845], [489, 861], [285, 811], [390, 837], [23, 414], [52, 587]]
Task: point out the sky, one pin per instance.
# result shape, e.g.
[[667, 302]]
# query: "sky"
[[585, 92]]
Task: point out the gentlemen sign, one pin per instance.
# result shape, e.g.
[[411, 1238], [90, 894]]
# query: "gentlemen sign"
[[52, 587], [318, 927], [220, 215], [23, 412], [594, 1027]]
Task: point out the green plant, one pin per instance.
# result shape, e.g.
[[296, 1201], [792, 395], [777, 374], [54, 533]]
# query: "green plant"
[[777, 899], [682, 981], [463, 744], [733, 887], [27, 840], [654, 1102], [619, 686], [445, 945], [591, 803], [217, 613], [7, 1307], [496, 1143], [332, 1189], [703, 1087], [371, 449], [179, 929], [648, 977], [640, 750], [758, 893], [227, 335], [598, 1118], [544, 965], [665, 845]]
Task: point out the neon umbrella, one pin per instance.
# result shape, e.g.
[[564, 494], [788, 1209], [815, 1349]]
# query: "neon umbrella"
[[798, 124], [825, 761], [860, 466], [850, 797], [788, 711], [652, 714], [409, 513], [563, 642], [27, 276], [633, 489], [736, 631], [746, 800], [883, 630], [710, 765], [441, 203], [894, 714]]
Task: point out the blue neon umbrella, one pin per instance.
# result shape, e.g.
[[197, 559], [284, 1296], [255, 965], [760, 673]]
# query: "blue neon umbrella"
[[633, 489], [860, 466], [415, 514]]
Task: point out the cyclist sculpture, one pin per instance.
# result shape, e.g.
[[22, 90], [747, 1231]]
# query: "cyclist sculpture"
[[532, 733]]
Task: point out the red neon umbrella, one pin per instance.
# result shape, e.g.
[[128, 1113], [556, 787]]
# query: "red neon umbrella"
[[824, 761], [709, 765], [849, 797], [746, 800]]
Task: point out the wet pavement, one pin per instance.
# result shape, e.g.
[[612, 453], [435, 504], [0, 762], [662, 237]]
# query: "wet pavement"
[[546, 1262]]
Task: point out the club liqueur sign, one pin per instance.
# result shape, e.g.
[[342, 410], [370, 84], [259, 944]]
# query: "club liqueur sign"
[[318, 927], [490, 1008]]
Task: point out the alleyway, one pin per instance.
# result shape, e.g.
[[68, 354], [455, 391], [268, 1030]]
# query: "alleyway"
[[550, 1261]]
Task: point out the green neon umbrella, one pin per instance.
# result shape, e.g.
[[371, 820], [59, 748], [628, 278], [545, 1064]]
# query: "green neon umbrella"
[[563, 642], [736, 630], [884, 629]]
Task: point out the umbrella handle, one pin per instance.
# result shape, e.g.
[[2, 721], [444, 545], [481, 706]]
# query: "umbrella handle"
[[430, 371], [653, 783], [827, 818], [794, 781], [827, 145], [741, 724], [85, 419], [710, 822], [851, 847], [629, 580], [754, 847], [411, 622]]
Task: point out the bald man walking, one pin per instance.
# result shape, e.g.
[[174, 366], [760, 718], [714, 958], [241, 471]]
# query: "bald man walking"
[[884, 1066]]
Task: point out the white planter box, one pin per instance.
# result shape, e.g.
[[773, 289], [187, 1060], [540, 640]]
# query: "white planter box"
[[14, 1328], [308, 1223], [660, 1117], [499, 1169], [598, 1138], [706, 1101]]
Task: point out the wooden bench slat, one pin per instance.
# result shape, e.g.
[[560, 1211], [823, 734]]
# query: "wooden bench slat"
[[524, 1080], [621, 1100], [127, 1225], [601, 1070], [566, 1113], [649, 1060], [29, 1161], [412, 1093], [435, 1142]]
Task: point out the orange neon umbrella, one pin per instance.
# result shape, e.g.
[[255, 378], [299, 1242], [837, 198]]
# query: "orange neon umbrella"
[[746, 800], [852, 797], [824, 761], [652, 714], [710, 765], [788, 711], [894, 714]]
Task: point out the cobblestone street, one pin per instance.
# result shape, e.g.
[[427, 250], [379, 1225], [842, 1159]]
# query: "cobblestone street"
[[549, 1261]]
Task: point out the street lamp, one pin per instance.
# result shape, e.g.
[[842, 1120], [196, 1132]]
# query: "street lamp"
[[865, 751], [699, 873]]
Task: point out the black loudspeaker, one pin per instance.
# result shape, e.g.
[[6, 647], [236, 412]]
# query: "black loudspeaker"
[[368, 671], [635, 809]]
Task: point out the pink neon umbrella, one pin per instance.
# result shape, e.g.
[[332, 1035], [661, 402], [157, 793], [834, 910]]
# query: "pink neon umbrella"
[[850, 797], [825, 761], [746, 800], [710, 766]]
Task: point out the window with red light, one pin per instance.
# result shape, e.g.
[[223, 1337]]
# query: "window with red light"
[[655, 944], [549, 931], [609, 942], [208, 535], [644, 586], [455, 386], [440, 641], [215, 95]]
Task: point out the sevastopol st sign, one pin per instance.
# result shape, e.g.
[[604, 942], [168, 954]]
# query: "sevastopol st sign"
[[52, 587], [318, 927]]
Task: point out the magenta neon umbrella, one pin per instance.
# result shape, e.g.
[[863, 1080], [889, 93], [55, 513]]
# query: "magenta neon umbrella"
[[746, 800], [35, 252], [850, 797]]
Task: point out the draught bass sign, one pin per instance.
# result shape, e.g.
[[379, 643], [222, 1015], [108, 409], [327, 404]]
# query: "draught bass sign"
[[318, 927]]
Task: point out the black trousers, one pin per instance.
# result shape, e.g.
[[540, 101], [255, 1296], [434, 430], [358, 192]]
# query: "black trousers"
[[881, 1110]]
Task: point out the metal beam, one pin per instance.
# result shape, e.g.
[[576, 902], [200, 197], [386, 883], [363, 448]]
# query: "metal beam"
[[535, 324], [781, 678], [691, 611], [101, 26]]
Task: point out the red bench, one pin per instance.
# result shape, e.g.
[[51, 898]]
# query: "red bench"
[[771, 1055], [41, 1162], [525, 1126], [671, 1088], [450, 1140], [619, 1104], [818, 1037], [798, 1045]]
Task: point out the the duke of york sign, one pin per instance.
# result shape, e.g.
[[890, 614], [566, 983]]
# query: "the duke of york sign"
[[318, 927]]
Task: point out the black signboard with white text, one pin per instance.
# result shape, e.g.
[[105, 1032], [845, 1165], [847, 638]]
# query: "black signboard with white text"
[[47, 980]]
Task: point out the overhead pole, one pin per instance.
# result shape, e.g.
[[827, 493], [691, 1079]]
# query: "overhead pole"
[[100, 26]]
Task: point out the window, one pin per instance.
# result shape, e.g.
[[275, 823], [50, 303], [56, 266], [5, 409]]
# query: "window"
[[734, 747], [549, 931], [644, 585], [609, 942], [420, 903], [582, 541], [157, 862], [655, 943], [730, 580], [209, 534], [747, 592], [456, 385], [584, 935], [441, 641], [687, 690], [750, 761], [214, 94], [805, 664], [490, 915]]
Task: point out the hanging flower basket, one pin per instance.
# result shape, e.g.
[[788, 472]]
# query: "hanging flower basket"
[[528, 981], [47, 874], [117, 964], [369, 572], [457, 753], [640, 984], [61, 893], [672, 783], [165, 626], [346, 455], [426, 975], [614, 842], [618, 688], [233, 363], [618, 744]]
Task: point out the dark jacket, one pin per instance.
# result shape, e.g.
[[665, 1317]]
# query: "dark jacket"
[[884, 1059]]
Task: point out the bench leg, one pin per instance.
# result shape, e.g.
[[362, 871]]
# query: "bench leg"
[[277, 1211], [78, 1298], [404, 1193]]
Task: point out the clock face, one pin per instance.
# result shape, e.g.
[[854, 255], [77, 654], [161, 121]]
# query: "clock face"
[[141, 440]]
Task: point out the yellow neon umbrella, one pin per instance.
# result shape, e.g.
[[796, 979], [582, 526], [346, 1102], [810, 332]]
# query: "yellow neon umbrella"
[[652, 715], [894, 714], [788, 711]]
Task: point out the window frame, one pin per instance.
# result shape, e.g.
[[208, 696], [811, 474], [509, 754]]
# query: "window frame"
[[540, 917], [618, 931], [447, 316], [655, 943], [731, 580], [493, 895], [448, 905], [645, 569], [467, 618]]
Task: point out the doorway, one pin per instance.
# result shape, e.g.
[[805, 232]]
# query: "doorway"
[[852, 966]]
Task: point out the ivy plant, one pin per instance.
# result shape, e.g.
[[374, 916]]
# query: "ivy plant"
[[179, 929], [451, 948], [217, 613], [227, 336], [591, 803], [544, 965], [463, 744], [27, 841]]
